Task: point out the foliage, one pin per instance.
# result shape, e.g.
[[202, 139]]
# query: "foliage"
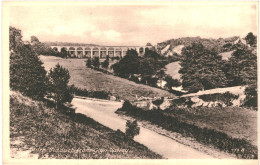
[[147, 68], [241, 66], [151, 54], [59, 90], [251, 96], [242, 70], [42, 49], [225, 98], [27, 74], [15, 38], [171, 82], [128, 65], [251, 39], [96, 62], [105, 64], [93, 94], [63, 53], [132, 129], [201, 69], [89, 63]]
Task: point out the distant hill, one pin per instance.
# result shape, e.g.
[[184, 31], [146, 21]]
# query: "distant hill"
[[172, 46], [67, 44]]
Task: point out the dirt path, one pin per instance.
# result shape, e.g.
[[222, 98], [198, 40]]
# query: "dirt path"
[[103, 112]]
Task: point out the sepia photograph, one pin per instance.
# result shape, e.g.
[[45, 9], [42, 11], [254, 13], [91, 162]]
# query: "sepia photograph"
[[153, 81]]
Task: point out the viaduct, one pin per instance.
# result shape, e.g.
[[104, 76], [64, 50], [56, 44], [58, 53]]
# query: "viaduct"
[[100, 51]]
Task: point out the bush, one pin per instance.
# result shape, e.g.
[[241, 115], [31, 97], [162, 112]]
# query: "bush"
[[132, 129]]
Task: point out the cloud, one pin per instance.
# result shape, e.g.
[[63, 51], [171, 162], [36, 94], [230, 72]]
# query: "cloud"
[[134, 25]]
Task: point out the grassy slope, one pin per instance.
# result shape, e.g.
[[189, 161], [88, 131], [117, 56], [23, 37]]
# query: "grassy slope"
[[34, 127], [234, 121], [173, 70], [90, 79]]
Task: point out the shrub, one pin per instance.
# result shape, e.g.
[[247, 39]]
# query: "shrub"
[[225, 98], [132, 129], [59, 90]]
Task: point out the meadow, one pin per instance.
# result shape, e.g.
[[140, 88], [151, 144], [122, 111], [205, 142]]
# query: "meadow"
[[86, 78]]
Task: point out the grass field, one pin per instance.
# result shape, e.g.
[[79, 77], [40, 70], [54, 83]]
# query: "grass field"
[[90, 79], [236, 122], [48, 133]]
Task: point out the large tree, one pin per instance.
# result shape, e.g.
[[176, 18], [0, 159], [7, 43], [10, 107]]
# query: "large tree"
[[201, 69], [128, 65], [243, 71], [147, 68]]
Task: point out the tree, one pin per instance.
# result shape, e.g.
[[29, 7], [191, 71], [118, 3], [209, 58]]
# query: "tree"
[[147, 68], [89, 63], [241, 66], [105, 64], [251, 39], [96, 62], [171, 82], [15, 38], [59, 90], [63, 53], [151, 54], [34, 40], [128, 65], [161, 75], [201, 68], [132, 129], [27, 75]]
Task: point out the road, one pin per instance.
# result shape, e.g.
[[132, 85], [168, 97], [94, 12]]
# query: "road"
[[103, 112]]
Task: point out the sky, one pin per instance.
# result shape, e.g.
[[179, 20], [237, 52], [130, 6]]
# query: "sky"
[[133, 25]]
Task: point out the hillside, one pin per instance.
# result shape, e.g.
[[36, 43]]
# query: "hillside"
[[175, 45], [89, 79], [38, 131]]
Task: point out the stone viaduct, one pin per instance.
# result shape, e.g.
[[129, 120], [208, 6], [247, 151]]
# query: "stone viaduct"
[[100, 51]]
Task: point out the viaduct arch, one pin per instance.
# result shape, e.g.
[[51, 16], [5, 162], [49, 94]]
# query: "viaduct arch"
[[100, 51]]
